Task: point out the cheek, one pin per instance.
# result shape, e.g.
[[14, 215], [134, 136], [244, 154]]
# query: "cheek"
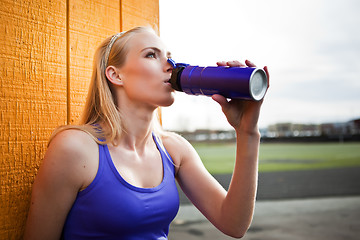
[[140, 81], [149, 71], [143, 73], [146, 66]]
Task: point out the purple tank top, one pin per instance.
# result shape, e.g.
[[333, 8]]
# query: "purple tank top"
[[111, 208]]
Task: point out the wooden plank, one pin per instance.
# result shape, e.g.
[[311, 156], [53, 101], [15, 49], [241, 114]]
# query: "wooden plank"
[[32, 99], [90, 22], [139, 13]]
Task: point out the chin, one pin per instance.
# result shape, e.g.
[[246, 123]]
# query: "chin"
[[167, 102]]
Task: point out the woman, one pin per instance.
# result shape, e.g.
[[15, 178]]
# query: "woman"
[[115, 178]]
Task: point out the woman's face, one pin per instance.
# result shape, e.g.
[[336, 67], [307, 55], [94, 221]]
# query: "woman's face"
[[146, 72]]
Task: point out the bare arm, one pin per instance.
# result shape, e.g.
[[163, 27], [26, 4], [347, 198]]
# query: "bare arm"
[[238, 206], [65, 170], [232, 211]]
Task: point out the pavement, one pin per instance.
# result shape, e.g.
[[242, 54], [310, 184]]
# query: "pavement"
[[311, 205]]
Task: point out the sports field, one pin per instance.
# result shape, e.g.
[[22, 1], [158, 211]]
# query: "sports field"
[[219, 157]]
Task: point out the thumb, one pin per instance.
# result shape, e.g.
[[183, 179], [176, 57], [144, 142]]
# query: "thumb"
[[220, 100]]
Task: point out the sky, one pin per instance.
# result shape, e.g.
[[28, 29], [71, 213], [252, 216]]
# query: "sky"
[[311, 47]]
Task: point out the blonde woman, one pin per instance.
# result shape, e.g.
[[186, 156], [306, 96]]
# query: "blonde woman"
[[113, 176]]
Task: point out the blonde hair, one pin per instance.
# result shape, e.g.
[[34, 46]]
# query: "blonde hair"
[[101, 117]]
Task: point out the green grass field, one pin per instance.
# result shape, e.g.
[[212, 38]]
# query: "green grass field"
[[219, 158]]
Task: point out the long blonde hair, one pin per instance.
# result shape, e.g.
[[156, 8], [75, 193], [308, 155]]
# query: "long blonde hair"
[[101, 117]]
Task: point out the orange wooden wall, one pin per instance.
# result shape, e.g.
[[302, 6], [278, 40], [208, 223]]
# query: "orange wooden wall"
[[46, 54]]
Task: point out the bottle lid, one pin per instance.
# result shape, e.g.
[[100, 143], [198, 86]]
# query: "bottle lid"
[[172, 62], [258, 84]]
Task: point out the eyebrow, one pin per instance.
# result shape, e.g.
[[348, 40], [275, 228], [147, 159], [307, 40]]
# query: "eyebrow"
[[168, 54]]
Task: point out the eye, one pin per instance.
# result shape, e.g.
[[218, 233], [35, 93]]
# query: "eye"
[[151, 55]]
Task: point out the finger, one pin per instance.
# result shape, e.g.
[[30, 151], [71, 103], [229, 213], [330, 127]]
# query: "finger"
[[221, 63], [267, 74], [249, 63], [267, 71], [220, 100], [235, 64]]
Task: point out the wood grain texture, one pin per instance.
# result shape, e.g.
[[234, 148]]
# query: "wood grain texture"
[[32, 100], [90, 22], [139, 13]]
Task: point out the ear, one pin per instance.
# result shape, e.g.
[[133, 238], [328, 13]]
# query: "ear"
[[112, 74]]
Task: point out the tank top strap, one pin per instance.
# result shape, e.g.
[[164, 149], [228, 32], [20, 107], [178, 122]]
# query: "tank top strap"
[[167, 160], [101, 169], [104, 157]]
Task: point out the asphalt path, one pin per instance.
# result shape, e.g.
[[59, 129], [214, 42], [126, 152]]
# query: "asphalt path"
[[310, 204]]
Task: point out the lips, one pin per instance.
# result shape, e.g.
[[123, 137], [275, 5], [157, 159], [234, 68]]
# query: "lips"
[[168, 83]]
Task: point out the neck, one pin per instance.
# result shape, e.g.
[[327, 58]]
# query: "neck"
[[138, 125]]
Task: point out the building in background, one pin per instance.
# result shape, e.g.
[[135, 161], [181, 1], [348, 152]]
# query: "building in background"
[[341, 131]]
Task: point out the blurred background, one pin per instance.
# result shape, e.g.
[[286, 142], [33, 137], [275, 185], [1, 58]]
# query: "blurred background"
[[311, 48], [309, 162]]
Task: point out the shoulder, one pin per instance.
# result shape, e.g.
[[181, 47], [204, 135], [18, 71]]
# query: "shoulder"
[[172, 138], [72, 141], [177, 146], [72, 154], [68, 165]]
